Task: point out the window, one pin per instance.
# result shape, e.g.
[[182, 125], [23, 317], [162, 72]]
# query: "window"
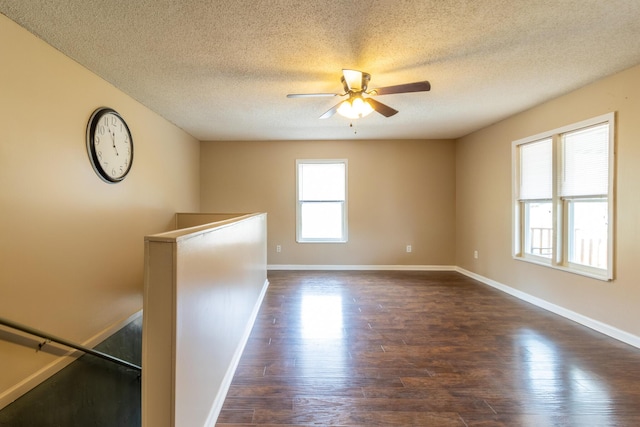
[[321, 209], [564, 199]]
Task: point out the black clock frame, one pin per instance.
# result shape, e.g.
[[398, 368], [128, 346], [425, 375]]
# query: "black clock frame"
[[91, 149]]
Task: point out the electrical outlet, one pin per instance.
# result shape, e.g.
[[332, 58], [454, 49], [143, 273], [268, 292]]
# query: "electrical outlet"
[[408, 248], [278, 248], [475, 254]]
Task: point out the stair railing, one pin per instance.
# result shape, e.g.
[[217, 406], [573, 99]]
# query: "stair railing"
[[52, 338]]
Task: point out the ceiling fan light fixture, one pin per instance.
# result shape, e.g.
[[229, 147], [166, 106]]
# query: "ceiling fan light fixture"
[[355, 107], [355, 85]]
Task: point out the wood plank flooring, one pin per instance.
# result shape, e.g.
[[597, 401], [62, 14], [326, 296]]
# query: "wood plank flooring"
[[423, 349]]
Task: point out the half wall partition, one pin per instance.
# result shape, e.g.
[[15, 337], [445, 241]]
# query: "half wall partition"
[[203, 289]]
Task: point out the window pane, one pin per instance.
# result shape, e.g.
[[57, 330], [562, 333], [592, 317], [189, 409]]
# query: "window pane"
[[536, 170], [321, 181], [588, 239], [321, 220], [539, 229], [561, 197], [585, 155]]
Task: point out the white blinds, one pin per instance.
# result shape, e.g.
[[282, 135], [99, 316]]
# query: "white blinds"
[[536, 175], [585, 157]]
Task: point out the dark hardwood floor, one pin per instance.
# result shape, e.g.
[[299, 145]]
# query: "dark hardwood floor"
[[423, 349]]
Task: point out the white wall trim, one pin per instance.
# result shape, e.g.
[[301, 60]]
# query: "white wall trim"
[[21, 388], [231, 369], [312, 267], [596, 325]]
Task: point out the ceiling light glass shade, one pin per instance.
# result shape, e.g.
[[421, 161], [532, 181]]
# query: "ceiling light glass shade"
[[355, 107]]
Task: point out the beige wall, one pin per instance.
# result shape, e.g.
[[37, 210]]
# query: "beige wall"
[[72, 246], [483, 171], [399, 193]]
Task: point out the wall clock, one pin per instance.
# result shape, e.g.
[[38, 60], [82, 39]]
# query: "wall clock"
[[109, 145]]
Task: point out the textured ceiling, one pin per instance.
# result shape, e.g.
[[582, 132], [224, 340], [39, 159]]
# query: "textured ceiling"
[[221, 69]]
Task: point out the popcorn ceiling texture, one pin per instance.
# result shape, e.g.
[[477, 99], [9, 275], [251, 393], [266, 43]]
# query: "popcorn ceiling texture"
[[221, 69]]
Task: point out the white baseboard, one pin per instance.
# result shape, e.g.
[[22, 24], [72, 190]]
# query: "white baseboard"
[[316, 267], [11, 394], [596, 325], [216, 407]]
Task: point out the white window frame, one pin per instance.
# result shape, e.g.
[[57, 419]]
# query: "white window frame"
[[560, 205], [299, 203]]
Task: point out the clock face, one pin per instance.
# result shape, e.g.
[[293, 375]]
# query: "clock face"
[[109, 145]]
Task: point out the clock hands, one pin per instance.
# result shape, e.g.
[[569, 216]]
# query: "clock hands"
[[113, 140]]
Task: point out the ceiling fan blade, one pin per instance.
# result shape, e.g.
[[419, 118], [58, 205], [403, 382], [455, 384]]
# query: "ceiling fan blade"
[[405, 88], [310, 95], [353, 79], [381, 108], [331, 111]]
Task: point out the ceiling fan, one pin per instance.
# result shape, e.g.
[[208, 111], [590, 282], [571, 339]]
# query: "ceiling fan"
[[355, 85]]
